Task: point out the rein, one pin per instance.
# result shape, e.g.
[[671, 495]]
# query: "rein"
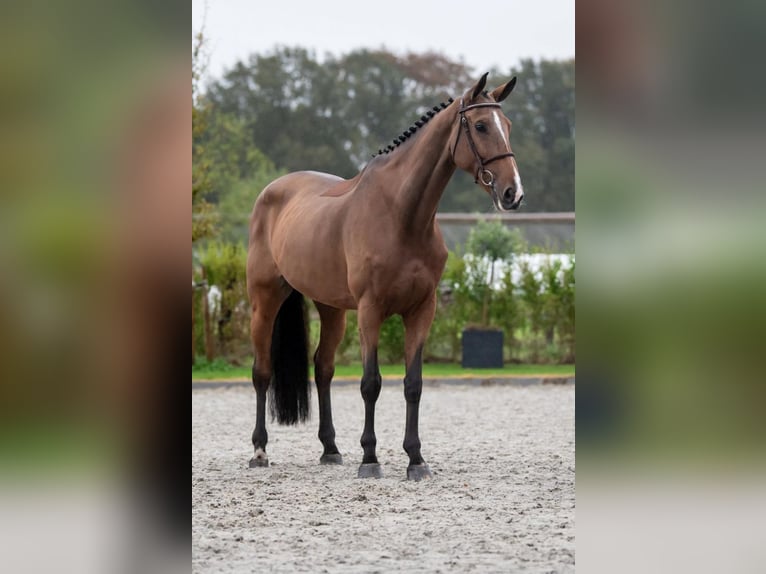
[[482, 171]]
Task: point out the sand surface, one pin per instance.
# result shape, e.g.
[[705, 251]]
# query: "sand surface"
[[502, 498]]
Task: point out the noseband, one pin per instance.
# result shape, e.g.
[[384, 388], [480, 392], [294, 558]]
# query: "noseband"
[[482, 173]]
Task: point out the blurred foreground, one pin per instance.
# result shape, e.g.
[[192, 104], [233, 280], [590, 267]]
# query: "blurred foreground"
[[95, 173], [670, 205]]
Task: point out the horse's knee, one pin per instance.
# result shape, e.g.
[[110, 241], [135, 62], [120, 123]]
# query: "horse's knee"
[[371, 379], [260, 379], [413, 388], [371, 384], [324, 370]]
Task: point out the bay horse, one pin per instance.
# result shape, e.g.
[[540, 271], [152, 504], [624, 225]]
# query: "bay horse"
[[369, 243]]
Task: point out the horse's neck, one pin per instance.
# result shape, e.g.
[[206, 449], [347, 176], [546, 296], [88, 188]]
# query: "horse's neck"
[[422, 171]]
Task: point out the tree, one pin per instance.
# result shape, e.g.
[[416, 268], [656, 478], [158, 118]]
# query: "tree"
[[288, 103], [332, 115], [542, 109], [203, 215], [237, 173], [488, 243], [236, 203]]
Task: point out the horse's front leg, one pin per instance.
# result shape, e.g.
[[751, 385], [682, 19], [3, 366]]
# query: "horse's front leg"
[[417, 324], [369, 332]]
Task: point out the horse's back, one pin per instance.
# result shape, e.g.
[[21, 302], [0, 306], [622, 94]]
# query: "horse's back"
[[285, 188], [276, 196]]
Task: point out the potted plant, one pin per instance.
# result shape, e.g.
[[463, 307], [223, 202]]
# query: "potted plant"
[[488, 244]]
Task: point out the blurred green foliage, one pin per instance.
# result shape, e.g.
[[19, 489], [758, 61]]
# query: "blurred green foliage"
[[671, 304]]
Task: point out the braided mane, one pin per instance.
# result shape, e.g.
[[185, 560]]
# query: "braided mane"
[[413, 128]]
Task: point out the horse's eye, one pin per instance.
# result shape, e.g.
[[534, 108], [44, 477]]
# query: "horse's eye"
[[480, 127]]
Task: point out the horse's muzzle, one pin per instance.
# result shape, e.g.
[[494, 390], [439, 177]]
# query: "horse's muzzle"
[[511, 199]]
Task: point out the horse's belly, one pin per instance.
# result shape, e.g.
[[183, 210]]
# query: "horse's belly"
[[316, 271], [318, 286]]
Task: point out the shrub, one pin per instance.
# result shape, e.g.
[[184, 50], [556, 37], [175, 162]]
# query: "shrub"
[[533, 303], [507, 313], [348, 350], [533, 306], [391, 342], [454, 306], [198, 321], [488, 243], [531, 297], [566, 325], [224, 266]]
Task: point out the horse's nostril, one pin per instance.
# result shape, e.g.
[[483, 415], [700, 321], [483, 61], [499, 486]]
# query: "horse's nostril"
[[508, 194]]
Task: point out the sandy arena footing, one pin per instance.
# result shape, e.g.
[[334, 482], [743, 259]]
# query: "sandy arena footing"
[[502, 498]]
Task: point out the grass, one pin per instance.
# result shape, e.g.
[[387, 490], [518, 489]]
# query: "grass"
[[221, 370]]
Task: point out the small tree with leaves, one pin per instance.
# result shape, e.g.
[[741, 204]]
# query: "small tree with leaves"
[[488, 244]]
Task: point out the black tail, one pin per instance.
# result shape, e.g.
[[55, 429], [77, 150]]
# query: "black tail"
[[289, 386]]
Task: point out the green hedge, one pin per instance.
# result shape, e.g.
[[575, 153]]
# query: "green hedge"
[[223, 264], [536, 313]]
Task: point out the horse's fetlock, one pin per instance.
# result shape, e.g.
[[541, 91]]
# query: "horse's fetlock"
[[411, 445], [369, 441], [326, 436], [260, 438]]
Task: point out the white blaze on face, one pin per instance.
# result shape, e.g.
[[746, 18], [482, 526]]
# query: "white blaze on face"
[[516, 177], [499, 126], [517, 181]]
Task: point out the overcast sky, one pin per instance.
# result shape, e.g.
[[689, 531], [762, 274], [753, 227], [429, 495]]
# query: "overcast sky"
[[481, 33]]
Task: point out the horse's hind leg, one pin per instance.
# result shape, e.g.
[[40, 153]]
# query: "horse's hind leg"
[[416, 324], [266, 301], [331, 334]]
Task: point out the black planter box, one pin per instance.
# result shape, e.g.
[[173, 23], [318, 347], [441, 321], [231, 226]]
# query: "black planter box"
[[482, 349]]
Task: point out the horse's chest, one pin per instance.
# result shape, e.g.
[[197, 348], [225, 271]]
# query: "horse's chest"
[[403, 284]]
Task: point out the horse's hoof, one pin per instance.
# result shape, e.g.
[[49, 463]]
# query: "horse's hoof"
[[370, 470], [334, 458], [260, 459], [418, 472], [258, 462]]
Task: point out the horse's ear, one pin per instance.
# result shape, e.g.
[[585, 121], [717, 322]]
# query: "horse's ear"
[[479, 86], [501, 92]]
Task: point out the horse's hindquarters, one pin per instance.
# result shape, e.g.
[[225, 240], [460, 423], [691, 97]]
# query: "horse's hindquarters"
[[303, 232]]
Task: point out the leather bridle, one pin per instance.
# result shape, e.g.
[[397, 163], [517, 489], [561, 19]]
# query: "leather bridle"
[[482, 172]]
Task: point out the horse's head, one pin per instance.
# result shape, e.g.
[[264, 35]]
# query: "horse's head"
[[482, 146]]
